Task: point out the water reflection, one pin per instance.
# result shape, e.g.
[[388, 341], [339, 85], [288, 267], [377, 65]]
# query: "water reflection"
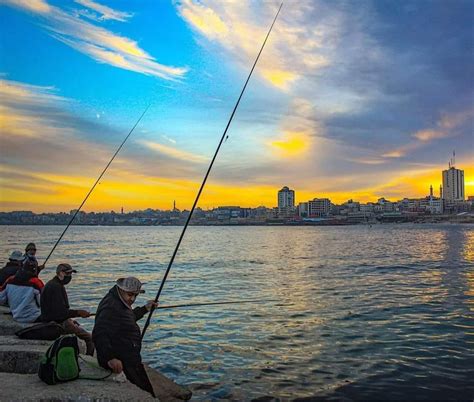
[[361, 313]]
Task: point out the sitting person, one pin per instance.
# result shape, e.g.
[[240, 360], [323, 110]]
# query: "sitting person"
[[11, 266], [55, 306], [117, 335], [22, 293], [30, 253]]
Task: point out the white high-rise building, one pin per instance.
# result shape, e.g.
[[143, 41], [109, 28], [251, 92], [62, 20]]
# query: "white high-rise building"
[[286, 198], [453, 184]]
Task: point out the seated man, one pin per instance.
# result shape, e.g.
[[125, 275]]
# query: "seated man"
[[30, 254], [116, 334], [55, 306], [22, 293], [11, 266]]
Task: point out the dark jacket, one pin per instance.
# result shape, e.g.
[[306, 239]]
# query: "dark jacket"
[[54, 302], [8, 270], [116, 333]]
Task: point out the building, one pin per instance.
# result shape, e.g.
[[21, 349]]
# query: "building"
[[303, 208], [319, 207], [453, 184], [286, 202], [286, 198]]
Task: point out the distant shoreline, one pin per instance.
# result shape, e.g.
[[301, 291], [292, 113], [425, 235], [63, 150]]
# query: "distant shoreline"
[[452, 220]]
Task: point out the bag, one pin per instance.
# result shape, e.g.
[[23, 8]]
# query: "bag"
[[47, 331], [60, 364]]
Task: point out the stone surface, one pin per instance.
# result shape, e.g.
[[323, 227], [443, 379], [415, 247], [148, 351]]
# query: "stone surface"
[[19, 359], [165, 389], [7, 325], [28, 387]]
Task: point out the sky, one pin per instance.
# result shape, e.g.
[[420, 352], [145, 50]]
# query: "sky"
[[349, 100]]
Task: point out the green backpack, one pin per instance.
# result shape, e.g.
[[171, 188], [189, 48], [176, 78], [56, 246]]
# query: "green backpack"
[[60, 364]]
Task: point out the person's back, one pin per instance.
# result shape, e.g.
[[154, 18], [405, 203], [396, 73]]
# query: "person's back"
[[22, 294], [11, 267]]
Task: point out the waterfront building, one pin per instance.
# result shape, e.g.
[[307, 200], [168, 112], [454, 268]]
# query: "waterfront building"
[[319, 207], [286, 203], [453, 184], [303, 209], [349, 207], [286, 198]]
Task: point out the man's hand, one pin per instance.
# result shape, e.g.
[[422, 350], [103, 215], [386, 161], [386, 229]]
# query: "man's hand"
[[115, 365], [83, 313], [150, 304]]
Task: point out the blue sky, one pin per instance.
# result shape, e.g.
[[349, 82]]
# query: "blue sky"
[[349, 100]]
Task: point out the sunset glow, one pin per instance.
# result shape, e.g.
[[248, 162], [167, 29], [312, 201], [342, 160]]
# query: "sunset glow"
[[333, 110]]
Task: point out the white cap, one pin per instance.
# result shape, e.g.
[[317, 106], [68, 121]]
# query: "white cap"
[[16, 255], [130, 284]]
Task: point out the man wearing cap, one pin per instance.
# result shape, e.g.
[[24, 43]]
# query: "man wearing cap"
[[30, 254], [55, 306], [11, 267], [117, 336]]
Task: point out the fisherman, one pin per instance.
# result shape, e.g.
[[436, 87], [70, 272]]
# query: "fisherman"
[[116, 334], [55, 306], [30, 253], [11, 267], [22, 293]]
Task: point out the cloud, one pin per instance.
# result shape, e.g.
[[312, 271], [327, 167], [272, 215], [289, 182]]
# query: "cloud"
[[446, 127], [96, 42], [35, 6], [294, 47], [107, 13], [173, 152]]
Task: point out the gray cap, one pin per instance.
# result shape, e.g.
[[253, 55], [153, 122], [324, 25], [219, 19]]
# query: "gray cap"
[[66, 268], [16, 255], [130, 284]]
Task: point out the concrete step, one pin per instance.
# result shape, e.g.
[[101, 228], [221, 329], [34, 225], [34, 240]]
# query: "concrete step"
[[28, 387], [7, 325]]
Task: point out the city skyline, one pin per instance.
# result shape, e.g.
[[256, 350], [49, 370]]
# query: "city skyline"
[[348, 101]]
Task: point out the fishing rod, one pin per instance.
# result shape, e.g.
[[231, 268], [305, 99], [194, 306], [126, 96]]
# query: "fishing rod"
[[147, 323], [95, 184], [209, 304]]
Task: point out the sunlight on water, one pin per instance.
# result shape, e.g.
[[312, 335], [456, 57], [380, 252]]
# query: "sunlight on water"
[[365, 313]]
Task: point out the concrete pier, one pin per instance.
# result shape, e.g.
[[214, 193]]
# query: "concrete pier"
[[19, 361]]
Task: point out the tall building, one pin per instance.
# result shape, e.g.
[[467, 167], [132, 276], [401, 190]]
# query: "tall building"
[[286, 198], [453, 184]]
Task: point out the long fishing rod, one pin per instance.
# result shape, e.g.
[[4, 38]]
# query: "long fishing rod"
[[95, 184], [206, 176], [209, 304]]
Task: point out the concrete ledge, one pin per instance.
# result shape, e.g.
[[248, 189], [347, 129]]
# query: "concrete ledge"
[[165, 389], [7, 325], [19, 359], [28, 387]]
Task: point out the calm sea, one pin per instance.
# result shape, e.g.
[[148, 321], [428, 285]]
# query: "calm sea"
[[381, 312]]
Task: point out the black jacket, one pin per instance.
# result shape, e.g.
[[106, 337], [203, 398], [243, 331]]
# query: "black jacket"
[[8, 270], [54, 302], [116, 333]]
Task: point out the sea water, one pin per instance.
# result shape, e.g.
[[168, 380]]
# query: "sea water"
[[357, 312]]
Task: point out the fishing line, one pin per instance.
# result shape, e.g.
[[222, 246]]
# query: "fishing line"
[[209, 304], [95, 184]]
